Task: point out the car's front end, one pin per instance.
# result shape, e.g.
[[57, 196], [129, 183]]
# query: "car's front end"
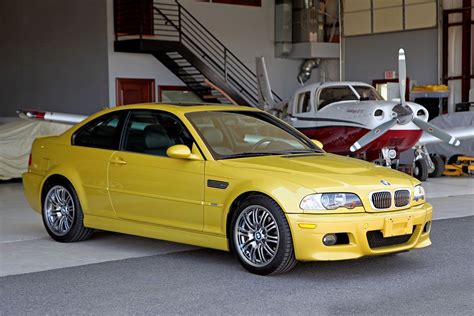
[[339, 236], [341, 208]]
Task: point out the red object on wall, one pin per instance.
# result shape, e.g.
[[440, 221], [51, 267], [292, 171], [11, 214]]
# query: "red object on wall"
[[130, 91]]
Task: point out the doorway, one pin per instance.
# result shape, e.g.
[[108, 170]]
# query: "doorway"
[[131, 91]]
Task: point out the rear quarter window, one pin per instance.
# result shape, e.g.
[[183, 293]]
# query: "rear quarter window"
[[103, 132]]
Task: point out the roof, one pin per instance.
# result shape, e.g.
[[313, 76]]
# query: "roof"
[[319, 85], [188, 107]]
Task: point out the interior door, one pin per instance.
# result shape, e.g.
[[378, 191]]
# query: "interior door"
[[132, 91], [146, 185]]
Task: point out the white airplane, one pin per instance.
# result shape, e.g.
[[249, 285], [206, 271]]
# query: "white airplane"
[[351, 118]]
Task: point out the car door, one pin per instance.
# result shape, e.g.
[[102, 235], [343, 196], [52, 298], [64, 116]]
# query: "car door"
[[148, 186], [92, 146]]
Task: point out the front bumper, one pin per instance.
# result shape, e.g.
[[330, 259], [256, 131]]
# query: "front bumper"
[[308, 241]]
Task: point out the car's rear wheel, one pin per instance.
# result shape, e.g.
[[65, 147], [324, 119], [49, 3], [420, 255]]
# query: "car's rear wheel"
[[62, 214], [261, 237]]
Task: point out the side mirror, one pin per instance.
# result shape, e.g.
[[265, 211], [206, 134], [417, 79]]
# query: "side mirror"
[[181, 152], [317, 143]]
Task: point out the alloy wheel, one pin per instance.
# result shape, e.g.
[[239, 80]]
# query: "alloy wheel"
[[59, 210], [257, 235]]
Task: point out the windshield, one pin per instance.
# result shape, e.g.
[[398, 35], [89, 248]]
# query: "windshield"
[[245, 134], [345, 93], [368, 93]]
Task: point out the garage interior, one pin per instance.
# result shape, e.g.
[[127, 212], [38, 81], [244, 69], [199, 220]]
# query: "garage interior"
[[79, 57]]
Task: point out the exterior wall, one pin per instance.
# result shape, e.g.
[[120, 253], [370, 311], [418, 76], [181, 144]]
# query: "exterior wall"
[[249, 32], [368, 56], [245, 30], [129, 65], [53, 56]]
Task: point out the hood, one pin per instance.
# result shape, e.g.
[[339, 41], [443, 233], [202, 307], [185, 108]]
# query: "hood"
[[326, 172]]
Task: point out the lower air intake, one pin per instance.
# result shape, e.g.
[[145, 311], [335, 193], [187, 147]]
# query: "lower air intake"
[[376, 239]]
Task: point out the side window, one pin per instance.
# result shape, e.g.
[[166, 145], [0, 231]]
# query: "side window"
[[304, 102], [153, 132], [103, 132]]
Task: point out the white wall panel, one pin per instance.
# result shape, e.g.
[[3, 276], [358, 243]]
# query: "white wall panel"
[[388, 20], [420, 16]]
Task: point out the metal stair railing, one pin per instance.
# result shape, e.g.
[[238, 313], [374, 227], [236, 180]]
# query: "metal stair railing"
[[173, 22]]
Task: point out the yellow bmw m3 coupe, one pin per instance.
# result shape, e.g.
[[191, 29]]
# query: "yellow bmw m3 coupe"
[[225, 177]]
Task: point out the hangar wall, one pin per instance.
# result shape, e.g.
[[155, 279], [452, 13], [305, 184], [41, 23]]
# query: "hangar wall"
[[53, 59], [368, 56], [128, 65], [249, 33]]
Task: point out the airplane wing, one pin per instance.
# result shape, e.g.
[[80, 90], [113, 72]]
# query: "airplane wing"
[[56, 117]]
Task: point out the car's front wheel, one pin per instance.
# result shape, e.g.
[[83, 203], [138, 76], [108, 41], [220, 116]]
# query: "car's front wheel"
[[62, 214], [261, 237]]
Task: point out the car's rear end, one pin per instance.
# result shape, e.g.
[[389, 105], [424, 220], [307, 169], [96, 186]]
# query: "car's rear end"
[[38, 166]]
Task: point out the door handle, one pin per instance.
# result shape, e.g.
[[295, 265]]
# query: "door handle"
[[118, 161]]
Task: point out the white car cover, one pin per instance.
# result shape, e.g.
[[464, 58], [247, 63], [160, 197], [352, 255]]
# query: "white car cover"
[[15, 144]]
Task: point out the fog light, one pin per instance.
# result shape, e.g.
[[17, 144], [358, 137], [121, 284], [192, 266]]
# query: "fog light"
[[329, 239], [427, 228]]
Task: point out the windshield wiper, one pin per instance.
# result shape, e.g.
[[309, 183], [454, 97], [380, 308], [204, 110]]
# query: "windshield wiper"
[[300, 151], [272, 153], [251, 154]]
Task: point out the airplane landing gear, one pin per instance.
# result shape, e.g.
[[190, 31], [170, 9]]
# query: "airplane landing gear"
[[422, 164], [388, 156]]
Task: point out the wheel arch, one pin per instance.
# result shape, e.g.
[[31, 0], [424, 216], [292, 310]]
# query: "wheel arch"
[[235, 204], [71, 179]]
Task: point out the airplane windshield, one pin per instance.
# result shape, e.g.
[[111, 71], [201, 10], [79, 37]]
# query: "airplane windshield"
[[368, 93], [345, 93]]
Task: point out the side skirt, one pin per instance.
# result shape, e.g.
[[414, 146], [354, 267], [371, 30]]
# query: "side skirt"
[[157, 232]]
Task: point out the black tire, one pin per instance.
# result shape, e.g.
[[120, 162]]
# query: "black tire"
[[420, 170], [438, 166], [283, 258], [454, 160], [76, 231]]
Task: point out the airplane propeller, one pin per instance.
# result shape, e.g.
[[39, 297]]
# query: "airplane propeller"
[[403, 114]]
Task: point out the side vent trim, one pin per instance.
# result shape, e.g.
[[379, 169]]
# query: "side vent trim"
[[217, 184]]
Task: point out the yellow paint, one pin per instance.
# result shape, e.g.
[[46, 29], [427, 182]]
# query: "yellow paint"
[[168, 198]]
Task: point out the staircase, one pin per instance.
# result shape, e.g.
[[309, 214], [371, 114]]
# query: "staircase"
[[186, 47]]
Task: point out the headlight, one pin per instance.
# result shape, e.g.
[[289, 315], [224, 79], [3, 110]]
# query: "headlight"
[[418, 193], [330, 201]]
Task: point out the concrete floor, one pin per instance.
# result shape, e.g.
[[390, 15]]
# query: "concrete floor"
[[172, 273], [25, 246]]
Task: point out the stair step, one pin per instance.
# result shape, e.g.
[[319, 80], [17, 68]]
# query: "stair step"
[[195, 76]]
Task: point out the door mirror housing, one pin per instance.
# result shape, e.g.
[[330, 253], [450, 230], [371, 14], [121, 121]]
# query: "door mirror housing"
[[317, 143], [181, 152]]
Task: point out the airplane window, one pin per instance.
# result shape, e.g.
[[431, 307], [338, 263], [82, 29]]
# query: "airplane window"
[[100, 133], [368, 93], [304, 104], [153, 132], [335, 94]]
